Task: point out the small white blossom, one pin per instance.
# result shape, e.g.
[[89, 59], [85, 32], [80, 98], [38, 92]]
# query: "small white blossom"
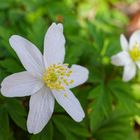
[[129, 57], [46, 79]]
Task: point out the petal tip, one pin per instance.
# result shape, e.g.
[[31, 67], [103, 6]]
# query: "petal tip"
[[126, 79], [60, 26], [12, 38], [2, 90], [31, 129], [122, 35], [80, 119], [53, 25], [33, 132], [112, 60], [136, 31], [115, 60], [87, 73]]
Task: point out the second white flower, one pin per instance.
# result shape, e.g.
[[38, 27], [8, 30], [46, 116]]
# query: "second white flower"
[[129, 57]]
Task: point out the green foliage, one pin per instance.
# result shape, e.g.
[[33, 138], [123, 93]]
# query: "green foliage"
[[116, 126], [73, 128], [92, 30]]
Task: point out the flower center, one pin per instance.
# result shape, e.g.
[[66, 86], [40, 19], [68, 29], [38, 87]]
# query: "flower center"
[[56, 76], [135, 52]]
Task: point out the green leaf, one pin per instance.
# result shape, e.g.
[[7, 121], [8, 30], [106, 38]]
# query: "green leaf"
[[5, 133], [17, 112], [116, 126], [11, 65], [93, 93], [101, 105], [69, 128], [121, 92]]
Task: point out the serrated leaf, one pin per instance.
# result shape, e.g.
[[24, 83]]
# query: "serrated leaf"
[[100, 107], [121, 92], [116, 126]]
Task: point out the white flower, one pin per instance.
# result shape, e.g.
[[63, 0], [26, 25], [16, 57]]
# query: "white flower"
[[46, 79], [129, 57]]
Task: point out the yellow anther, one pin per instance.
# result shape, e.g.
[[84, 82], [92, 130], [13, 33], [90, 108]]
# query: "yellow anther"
[[65, 94], [55, 76], [135, 52], [66, 65], [71, 81], [70, 71], [68, 75]]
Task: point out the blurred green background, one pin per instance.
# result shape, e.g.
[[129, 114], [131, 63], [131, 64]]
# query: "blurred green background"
[[92, 29]]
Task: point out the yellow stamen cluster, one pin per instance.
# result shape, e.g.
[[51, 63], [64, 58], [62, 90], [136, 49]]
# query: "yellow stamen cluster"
[[56, 76], [135, 52]]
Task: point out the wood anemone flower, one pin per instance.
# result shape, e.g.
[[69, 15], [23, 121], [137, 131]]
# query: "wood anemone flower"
[[46, 78], [129, 57]]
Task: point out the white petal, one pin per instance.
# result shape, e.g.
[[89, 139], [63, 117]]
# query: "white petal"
[[138, 64], [54, 50], [29, 55], [121, 59], [124, 43], [20, 84], [40, 111], [129, 72], [135, 38], [79, 75], [70, 103]]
